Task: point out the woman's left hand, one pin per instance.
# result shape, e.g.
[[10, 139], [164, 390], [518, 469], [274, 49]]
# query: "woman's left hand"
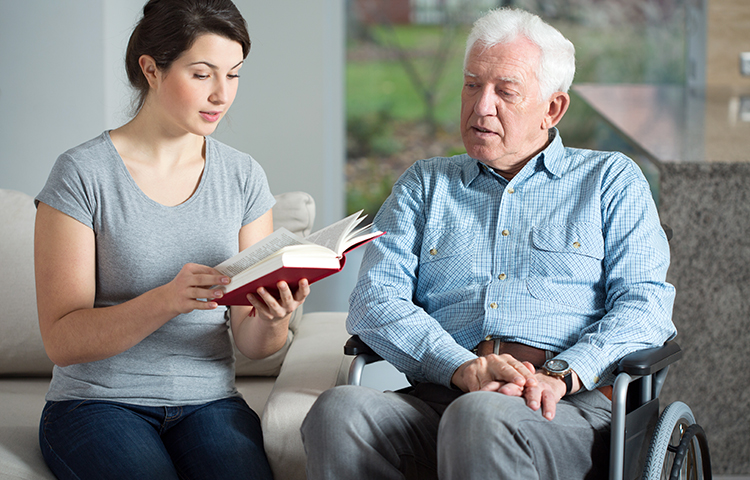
[[272, 309]]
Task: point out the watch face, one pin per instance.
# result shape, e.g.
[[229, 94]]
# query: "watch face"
[[556, 366]]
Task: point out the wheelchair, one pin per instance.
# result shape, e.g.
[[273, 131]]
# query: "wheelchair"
[[643, 443]]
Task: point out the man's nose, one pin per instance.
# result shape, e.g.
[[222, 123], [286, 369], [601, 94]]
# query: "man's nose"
[[486, 103]]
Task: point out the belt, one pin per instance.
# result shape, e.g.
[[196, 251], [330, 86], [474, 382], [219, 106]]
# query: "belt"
[[524, 353], [519, 351]]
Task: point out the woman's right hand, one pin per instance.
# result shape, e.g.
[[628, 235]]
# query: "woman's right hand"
[[191, 288]]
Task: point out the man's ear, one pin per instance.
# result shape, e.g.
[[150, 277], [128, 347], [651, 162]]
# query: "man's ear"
[[149, 69], [557, 105]]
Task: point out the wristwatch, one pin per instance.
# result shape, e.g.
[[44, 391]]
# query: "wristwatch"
[[560, 369]]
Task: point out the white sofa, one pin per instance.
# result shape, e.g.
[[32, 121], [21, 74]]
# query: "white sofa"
[[280, 388]]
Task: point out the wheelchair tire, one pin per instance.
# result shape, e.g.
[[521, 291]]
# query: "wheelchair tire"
[[673, 423]]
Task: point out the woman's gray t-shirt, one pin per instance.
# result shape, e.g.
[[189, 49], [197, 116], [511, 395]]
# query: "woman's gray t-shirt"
[[140, 245]]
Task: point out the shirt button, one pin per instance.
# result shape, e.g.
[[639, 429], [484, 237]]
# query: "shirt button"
[[506, 233], [433, 251], [502, 276], [576, 245], [493, 305], [510, 190]]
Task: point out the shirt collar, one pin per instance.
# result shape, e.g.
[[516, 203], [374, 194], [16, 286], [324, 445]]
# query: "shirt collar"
[[551, 158], [471, 169]]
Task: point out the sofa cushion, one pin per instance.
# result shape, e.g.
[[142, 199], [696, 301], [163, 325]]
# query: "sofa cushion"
[[21, 348], [22, 401]]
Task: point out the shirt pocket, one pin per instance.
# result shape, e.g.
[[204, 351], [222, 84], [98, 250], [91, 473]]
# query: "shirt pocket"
[[448, 257], [567, 264]]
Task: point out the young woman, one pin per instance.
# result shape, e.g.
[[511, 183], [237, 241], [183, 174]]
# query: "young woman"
[[128, 227]]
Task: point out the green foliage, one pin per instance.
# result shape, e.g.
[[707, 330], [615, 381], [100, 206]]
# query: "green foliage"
[[369, 189], [412, 37], [371, 133], [376, 79]]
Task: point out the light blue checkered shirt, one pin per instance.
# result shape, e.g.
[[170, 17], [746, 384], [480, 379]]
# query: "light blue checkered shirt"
[[568, 256]]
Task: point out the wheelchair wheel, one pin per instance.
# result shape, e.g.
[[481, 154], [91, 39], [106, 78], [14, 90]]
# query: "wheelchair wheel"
[[678, 447]]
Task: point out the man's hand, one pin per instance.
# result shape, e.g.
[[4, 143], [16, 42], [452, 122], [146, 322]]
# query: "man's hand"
[[495, 373], [504, 374], [547, 392]]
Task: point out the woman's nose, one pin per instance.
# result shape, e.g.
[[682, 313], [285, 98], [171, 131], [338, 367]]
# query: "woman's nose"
[[219, 94]]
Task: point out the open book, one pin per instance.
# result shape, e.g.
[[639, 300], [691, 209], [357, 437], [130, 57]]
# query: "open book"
[[289, 257]]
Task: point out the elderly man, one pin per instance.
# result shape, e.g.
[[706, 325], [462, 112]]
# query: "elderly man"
[[510, 281]]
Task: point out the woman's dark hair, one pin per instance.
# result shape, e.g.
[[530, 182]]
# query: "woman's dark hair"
[[170, 27]]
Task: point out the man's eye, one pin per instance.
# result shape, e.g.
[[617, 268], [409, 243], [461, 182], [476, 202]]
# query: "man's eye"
[[235, 75], [512, 97]]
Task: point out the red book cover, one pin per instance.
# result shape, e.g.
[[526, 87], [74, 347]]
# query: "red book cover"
[[291, 275], [288, 273]]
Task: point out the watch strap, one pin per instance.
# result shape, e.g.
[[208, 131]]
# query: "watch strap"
[[568, 379]]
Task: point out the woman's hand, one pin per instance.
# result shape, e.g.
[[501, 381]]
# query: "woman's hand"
[[272, 309], [262, 329], [191, 289]]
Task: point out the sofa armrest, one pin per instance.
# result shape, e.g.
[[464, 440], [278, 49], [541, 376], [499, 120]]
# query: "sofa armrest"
[[315, 362]]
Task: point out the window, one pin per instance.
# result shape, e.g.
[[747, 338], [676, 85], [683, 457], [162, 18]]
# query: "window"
[[404, 75]]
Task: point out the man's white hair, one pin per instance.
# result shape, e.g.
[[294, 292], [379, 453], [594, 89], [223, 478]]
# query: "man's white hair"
[[557, 64]]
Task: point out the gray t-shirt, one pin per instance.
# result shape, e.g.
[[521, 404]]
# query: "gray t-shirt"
[[140, 245]]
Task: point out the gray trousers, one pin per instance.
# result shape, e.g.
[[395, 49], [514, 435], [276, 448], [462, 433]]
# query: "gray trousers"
[[434, 432]]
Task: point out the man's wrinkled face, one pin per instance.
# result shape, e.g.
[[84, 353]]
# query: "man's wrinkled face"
[[502, 116]]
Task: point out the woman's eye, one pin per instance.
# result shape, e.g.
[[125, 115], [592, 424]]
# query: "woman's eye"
[[235, 75], [200, 76]]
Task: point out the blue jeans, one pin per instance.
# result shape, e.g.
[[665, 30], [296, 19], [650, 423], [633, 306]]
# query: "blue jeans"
[[96, 439]]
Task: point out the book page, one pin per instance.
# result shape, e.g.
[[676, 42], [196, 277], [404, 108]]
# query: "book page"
[[259, 251], [335, 235], [359, 237]]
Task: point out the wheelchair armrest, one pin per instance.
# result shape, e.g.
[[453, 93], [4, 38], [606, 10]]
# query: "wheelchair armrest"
[[355, 346], [667, 231], [650, 360], [363, 355]]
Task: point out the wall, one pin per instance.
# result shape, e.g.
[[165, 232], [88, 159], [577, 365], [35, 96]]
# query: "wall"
[[52, 91], [290, 115], [728, 31], [63, 83]]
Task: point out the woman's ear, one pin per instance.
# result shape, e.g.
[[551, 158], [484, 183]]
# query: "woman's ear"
[[556, 107], [149, 69]]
